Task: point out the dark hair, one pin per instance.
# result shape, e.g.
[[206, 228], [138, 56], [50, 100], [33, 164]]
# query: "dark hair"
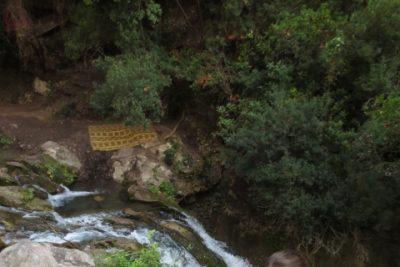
[[286, 258]]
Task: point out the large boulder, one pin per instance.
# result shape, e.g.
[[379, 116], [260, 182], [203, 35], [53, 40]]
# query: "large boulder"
[[139, 166], [141, 194], [122, 161], [62, 155], [15, 196], [27, 254]]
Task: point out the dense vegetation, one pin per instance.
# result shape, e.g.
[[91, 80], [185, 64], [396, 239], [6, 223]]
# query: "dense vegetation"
[[307, 95]]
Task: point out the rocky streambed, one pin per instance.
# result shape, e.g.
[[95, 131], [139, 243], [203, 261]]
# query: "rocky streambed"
[[42, 221], [182, 240]]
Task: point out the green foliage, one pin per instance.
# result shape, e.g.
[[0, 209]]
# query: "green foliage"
[[146, 257], [132, 88], [28, 194], [376, 166], [289, 149], [54, 170], [168, 189], [170, 153], [5, 140], [308, 93], [166, 192], [308, 42], [98, 23]]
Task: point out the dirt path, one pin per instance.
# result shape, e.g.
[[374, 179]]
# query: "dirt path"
[[30, 126]]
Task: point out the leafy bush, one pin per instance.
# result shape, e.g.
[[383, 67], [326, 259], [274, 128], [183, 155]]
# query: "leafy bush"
[[170, 153], [5, 140], [28, 194], [132, 88], [376, 167], [291, 151], [146, 257], [166, 192], [308, 42], [96, 24], [56, 171], [168, 189]]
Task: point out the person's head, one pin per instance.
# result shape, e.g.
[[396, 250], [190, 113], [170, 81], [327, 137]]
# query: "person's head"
[[286, 258]]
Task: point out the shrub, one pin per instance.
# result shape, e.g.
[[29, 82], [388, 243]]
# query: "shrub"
[[376, 167], [291, 151], [170, 153], [5, 140], [166, 192], [56, 171], [28, 194], [132, 88], [146, 257]]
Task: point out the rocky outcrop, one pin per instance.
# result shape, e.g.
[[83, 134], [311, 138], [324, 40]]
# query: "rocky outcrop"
[[152, 166], [122, 161], [14, 196], [5, 178], [139, 166], [62, 155], [137, 193], [116, 242], [28, 254]]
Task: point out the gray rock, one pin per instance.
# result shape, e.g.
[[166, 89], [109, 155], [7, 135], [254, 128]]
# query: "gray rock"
[[5, 178], [139, 166], [14, 196], [123, 161], [27, 254], [62, 155], [138, 193]]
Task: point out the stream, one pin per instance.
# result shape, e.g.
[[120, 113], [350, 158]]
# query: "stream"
[[82, 216]]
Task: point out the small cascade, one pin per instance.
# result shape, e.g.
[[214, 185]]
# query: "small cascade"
[[59, 200], [91, 225], [218, 247]]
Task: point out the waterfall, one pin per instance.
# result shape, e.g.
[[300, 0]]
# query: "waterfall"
[[95, 226], [218, 247], [59, 200]]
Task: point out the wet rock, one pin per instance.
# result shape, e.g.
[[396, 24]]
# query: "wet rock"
[[99, 198], [186, 238], [140, 194], [2, 244], [27, 254], [116, 242], [11, 221], [40, 180], [150, 172], [16, 165], [180, 229], [158, 149], [136, 214], [123, 161], [121, 221], [27, 173], [5, 178], [139, 166], [62, 155], [14, 196]]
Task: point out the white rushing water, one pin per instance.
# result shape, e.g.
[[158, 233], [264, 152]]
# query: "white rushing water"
[[93, 227], [218, 247], [87, 227], [59, 200]]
